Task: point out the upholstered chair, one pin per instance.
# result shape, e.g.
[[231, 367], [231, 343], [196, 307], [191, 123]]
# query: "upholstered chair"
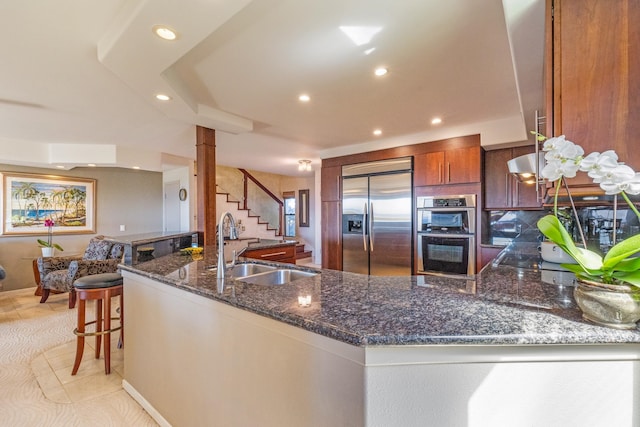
[[59, 273]]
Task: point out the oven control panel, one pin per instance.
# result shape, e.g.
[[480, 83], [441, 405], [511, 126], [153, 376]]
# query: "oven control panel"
[[468, 200]]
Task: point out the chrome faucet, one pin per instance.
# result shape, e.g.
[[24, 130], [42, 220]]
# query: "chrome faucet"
[[222, 265]]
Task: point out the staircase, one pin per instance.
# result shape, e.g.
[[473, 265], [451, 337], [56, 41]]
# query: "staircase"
[[249, 224], [301, 252]]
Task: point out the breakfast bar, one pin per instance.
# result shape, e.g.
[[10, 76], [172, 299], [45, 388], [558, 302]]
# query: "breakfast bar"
[[340, 348]]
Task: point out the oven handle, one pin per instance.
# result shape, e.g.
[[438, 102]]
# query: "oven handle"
[[449, 235], [364, 226]]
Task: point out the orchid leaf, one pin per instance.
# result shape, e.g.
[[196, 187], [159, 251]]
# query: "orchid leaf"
[[553, 229], [632, 278], [621, 251], [576, 268], [630, 264]]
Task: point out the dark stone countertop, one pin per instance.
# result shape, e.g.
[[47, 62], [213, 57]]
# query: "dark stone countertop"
[[146, 238], [504, 305]]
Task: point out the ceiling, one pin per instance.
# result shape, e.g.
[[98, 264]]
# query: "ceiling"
[[79, 78]]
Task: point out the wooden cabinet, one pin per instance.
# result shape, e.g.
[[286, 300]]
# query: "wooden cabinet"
[[285, 254], [488, 253], [501, 189], [592, 75], [332, 235], [330, 183], [456, 166]]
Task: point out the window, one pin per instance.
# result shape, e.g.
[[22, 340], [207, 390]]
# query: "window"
[[290, 214]]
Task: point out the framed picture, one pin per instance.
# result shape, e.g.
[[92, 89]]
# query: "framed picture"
[[28, 200], [303, 196]]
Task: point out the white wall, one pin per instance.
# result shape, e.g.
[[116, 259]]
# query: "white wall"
[[123, 197], [185, 176]]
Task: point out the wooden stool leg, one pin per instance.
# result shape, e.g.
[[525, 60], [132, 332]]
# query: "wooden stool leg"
[[107, 335], [98, 325], [80, 338], [121, 342]]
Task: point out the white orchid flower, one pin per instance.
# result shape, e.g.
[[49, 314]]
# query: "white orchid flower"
[[616, 175], [557, 168], [553, 143], [629, 186], [596, 165], [632, 186]]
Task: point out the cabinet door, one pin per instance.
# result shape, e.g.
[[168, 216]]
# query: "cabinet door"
[[596, 76], [428, 169], [462, 165], [332, 235], [330, 183], [497, 191], [523, 195]]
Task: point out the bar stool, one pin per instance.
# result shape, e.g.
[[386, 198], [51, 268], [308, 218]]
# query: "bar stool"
[[101, 288]]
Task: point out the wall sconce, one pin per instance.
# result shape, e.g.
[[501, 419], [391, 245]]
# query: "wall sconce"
[[304, 165]]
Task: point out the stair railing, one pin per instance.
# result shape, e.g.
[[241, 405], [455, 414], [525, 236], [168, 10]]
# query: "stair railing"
[[261, 195]]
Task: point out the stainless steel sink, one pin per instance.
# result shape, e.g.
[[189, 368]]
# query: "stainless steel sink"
[[276, 277], [246, 269]]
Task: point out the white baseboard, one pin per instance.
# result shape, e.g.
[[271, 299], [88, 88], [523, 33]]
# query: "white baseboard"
[[145, 404]]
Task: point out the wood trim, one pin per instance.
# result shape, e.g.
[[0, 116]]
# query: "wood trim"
[[206, 184], [404, 151]]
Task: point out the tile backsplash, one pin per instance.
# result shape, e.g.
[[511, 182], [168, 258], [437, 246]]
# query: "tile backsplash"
[[598, 225]]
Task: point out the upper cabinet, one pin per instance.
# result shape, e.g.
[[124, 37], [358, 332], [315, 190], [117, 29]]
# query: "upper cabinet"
[[454, 166], [592, 76], [501, 189]]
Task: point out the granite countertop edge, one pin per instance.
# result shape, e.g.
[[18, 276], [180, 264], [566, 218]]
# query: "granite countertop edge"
[[507, 305]]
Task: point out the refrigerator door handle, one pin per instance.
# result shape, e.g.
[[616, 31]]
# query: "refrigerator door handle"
[[364, 228], [371, 226]]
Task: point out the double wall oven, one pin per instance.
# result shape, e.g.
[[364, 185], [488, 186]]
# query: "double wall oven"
[[446, 233]]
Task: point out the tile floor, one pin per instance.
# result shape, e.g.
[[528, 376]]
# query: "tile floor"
[[52, 368]]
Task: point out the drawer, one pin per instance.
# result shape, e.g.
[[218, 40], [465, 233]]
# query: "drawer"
[[280, 254]]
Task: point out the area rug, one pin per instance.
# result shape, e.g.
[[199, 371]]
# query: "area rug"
[[22, 402]]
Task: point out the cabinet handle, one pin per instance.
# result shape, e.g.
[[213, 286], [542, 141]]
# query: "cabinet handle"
[[439, 173], [448, 173], [507, 181], [273, 254], [516, 195]]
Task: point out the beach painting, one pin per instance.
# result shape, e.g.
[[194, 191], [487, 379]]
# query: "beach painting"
[[28, 200]]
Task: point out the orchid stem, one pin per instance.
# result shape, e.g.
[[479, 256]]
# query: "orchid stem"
[[631, 205], [575, 213]]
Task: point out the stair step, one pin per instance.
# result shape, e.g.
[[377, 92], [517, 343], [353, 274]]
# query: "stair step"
[[305, 254]]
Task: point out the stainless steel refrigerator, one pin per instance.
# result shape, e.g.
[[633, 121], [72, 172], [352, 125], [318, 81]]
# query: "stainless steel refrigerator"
[[376, 217]]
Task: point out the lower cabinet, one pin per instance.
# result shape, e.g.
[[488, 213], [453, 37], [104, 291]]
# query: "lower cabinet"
[[285, 254]]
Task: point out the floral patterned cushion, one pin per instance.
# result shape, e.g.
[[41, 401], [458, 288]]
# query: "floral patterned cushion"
[[117, 250], [59, 273], [98, 249]]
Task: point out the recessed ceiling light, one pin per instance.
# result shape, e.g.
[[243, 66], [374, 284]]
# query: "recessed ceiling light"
[[304, 97], [91, 165], [436, 121], [369, 51], [136, 167], [165, 32], [163, 97], [60, 167], [377, 132], [380, 71]]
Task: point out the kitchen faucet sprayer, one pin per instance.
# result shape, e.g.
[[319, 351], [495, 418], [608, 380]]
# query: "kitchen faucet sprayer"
[[221, 261]]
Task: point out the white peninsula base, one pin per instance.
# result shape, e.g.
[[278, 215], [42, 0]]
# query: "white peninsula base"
[[194, 361]]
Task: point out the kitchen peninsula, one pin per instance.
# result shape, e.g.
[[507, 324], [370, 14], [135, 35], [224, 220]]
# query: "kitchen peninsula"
[[504, 349]]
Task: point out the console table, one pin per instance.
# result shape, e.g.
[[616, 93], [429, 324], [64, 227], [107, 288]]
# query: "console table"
[[163, 243]]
